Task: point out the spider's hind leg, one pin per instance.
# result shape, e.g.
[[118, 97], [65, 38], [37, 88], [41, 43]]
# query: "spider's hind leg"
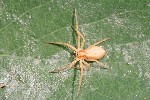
[[101, 64]]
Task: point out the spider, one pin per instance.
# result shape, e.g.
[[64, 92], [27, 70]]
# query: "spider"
[[82, 56]]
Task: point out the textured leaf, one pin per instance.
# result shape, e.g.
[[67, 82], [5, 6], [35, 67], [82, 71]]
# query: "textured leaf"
[[25, 57]]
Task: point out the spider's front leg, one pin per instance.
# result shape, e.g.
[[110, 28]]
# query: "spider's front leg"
[[100, 42], [76, 29], [64, 44]]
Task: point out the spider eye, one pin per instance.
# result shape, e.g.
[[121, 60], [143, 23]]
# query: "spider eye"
[[77, 54]]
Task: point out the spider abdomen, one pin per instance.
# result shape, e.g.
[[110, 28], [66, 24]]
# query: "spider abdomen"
[[94, 52]]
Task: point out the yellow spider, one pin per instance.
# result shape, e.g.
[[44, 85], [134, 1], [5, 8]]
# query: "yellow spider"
[[92, 53]]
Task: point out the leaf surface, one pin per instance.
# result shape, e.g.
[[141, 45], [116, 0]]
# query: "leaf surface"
[[25, 57]]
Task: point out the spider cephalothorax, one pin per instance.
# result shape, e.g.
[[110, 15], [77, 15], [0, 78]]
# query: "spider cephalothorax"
[[92, 53], [81, 54]]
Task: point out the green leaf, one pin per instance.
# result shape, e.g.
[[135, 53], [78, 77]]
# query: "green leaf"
[[25, 57]]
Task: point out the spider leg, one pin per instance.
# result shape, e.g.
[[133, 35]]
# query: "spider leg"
[[76, 67], [64, 68], [81, 75], [64, 44], [100, 42], [78, 38], [86, 64], [76, 29], [100, 64], [76, 19]]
